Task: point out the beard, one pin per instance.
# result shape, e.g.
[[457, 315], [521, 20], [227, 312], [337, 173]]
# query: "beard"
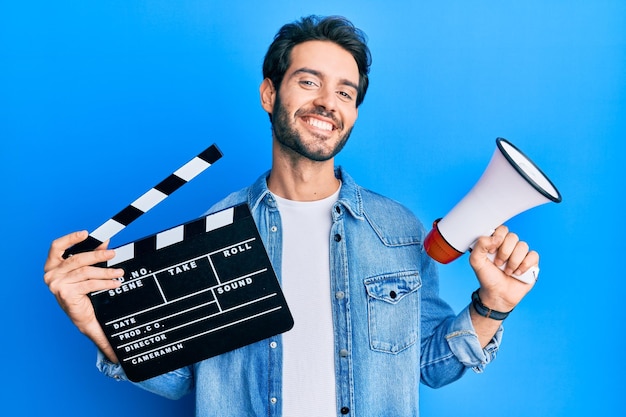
[[290, 139]]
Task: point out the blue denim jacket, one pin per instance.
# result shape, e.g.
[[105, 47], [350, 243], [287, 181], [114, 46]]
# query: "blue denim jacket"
[[391, 329]]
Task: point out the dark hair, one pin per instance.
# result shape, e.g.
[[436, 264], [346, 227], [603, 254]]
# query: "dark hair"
[[334, 29]]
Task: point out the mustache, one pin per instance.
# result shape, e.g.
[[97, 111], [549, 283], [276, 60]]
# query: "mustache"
[[319, 111]]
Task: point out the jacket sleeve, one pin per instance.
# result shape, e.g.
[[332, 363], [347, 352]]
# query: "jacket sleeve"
[[172, 385], [449, 342]]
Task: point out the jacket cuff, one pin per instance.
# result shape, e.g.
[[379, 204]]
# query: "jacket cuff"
[[464, 343], [110, 369]]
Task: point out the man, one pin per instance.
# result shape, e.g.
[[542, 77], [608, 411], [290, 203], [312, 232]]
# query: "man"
[[369, 323]]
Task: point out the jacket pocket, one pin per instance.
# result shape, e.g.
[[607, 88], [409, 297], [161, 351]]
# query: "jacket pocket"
[[393, 310]]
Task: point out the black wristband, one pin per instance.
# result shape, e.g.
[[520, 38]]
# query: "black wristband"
[[485, 311]]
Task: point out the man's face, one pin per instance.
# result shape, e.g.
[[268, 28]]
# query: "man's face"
[[314, 111]]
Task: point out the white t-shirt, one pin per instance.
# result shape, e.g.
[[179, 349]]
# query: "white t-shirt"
[[308, 348]]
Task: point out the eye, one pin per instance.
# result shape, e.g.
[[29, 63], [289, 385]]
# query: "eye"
[[344, 95], [308, 83]]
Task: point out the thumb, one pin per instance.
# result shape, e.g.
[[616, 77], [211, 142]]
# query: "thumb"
[[484, 248]]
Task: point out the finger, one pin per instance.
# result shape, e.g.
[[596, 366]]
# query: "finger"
[[488, 244], [59, 246], [75, 265], [86, 258], [516, 257], [85, 280], [530, 260], [94, 285], [65, 294], [498, 235], [93, 273], [506, 249], [483, 251], [104, 245]]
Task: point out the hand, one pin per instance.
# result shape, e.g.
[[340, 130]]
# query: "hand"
[[498, 289], [72, 279]]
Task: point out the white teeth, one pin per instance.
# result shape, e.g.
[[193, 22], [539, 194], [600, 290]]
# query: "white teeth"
[[320, 124]]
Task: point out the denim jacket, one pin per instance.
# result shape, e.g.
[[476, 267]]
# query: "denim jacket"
[[391, 329]]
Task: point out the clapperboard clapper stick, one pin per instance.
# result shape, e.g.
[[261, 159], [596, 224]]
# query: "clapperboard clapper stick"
[[191, 292], [147, 201]]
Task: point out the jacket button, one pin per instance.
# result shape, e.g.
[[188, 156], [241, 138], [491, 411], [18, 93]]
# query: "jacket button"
[[344, 410], [337, 237]]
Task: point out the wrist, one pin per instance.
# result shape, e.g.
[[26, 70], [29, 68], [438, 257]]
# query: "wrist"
[[495, 300], [485, 310]]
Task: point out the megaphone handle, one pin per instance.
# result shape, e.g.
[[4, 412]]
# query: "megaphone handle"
[[529, 277]]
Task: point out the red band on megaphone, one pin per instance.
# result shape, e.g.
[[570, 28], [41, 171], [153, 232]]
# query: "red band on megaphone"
[[437, 247]]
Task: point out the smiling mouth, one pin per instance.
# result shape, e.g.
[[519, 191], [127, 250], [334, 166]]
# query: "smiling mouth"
[[319, 124]]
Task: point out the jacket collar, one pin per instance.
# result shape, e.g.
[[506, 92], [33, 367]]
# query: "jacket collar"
[[349, 195]]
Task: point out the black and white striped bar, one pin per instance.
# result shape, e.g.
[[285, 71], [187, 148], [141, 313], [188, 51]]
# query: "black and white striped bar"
[[147, 201], [174, 235]]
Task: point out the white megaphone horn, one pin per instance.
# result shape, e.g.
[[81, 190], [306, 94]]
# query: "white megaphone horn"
[[510, 184]]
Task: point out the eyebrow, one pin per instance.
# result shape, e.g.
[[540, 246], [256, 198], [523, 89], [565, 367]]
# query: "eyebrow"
[[343, 81]]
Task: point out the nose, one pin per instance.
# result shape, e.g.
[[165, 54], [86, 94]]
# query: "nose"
[[326, 99]]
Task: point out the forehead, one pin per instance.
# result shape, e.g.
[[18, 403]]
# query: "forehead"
[[325, 57]]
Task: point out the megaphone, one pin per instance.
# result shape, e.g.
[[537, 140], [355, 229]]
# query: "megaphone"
[[510, 184]]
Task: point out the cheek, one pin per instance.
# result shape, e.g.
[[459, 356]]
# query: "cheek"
[[350, 117], [289, 108], [289, 101]]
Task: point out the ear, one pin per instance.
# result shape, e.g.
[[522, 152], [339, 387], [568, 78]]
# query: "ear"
[[268, 95]]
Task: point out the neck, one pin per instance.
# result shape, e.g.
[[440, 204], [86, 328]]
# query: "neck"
[[300, 179]]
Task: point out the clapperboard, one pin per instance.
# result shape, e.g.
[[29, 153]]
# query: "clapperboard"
[[188, 293]]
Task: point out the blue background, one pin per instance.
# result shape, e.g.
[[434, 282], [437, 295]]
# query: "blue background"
[[101, 100]]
